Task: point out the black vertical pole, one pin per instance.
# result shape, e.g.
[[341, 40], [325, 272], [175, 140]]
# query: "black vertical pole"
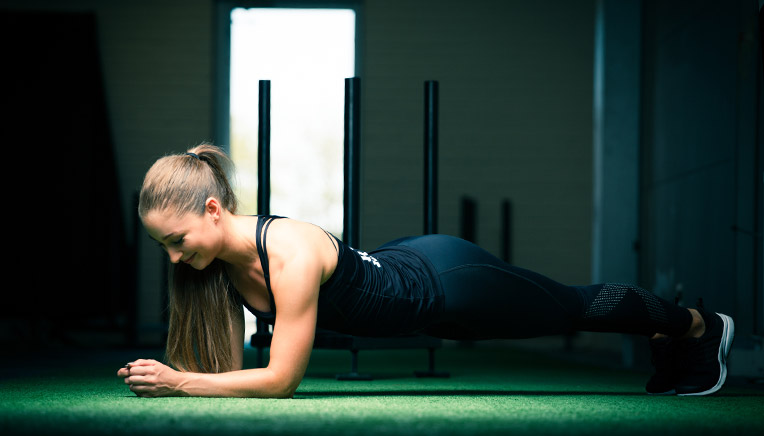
[[264, 149], [430, 157], [469, 220], [262, 334], [506, 231], [351, 194]]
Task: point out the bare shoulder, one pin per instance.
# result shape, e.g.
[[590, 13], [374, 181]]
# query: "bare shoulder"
[[291, 241], [293, 234]]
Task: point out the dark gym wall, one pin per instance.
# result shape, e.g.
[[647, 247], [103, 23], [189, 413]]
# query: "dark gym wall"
[[155, 60], [62, 175], [516, 122], [702, 162]]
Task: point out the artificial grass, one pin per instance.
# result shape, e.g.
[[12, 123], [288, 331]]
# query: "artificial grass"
[[490, 391]]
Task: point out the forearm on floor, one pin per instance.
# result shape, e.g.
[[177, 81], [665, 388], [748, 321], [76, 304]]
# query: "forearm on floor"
[[253, 383]]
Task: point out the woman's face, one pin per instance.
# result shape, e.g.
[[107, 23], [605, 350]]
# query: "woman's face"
[[189, 238]]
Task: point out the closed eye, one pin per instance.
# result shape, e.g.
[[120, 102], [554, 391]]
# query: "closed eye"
[[176, 242]]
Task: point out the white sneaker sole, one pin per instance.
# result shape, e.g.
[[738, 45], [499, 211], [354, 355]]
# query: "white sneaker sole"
[[728, 334]]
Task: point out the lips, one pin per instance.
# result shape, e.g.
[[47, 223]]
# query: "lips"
[[190, 258]]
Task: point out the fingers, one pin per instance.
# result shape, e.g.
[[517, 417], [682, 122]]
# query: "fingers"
[[138, 380], [142, 362], [142, 376], [139, 386], [143, 391], [124, 371], [139, 370], [144, 386], [139, 375], [130, 367]]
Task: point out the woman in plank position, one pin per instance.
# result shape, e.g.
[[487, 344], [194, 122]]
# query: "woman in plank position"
[[298, 277]]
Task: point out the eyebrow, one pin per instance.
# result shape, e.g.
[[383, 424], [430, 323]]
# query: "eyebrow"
[[164, 238]]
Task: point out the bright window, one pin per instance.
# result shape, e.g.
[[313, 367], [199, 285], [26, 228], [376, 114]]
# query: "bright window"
[[306, 54]]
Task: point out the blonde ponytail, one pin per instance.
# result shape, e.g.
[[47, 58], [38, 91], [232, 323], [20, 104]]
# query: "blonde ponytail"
[[202, 304]]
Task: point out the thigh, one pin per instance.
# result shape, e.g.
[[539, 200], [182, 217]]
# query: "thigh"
[[487, 298], [486, 302]]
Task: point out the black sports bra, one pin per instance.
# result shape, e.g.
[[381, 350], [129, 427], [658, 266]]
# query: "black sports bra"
[[263, 222]]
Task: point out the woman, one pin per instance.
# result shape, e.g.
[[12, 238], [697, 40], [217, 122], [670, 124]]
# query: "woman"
[[297, 276]]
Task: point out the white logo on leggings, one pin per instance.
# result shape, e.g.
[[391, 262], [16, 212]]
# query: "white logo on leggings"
[[366, 258]]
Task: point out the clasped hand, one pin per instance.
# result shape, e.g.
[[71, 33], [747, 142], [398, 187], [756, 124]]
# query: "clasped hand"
[[149, 378]]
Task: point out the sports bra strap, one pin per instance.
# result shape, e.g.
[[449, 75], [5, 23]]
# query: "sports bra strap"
[[263, 222]]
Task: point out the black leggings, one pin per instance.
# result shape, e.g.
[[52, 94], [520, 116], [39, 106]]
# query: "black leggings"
[[486, 298]]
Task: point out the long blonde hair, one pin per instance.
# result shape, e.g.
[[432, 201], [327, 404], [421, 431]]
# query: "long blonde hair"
[[202, 304]]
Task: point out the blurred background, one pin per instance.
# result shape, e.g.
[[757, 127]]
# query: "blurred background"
[[591, 141]]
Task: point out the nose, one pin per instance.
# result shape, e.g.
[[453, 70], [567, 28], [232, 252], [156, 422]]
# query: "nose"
[[175, 255]]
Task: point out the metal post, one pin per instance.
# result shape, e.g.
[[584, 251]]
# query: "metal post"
[[264, 149], [430, 157], [506, 231], [350, 233], [469, 219], [262, 334]]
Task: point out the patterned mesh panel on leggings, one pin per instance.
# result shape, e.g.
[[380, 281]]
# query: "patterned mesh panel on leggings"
[[630, 309]]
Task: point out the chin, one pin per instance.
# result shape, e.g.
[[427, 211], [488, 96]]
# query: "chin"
[[199, 265]]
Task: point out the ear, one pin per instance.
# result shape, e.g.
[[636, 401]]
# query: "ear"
[[212, 206]]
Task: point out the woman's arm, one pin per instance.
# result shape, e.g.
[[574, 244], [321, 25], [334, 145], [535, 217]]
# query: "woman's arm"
[[295, 292], [295, 287]]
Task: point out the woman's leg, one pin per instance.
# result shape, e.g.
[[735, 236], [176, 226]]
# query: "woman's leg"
[[486, 298]]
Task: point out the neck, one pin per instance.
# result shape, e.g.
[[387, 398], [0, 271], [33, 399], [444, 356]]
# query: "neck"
[[239, 248]]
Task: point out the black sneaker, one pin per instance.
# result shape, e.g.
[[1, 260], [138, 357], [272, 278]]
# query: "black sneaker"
[[702, 362], [664, 379]]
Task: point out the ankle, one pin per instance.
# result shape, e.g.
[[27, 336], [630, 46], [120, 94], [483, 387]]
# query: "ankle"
[[697, 327]]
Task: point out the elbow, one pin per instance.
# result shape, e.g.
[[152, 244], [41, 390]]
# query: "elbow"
[[282, 387], [279, 394], [274, 391], [286, 390], [285, 395]]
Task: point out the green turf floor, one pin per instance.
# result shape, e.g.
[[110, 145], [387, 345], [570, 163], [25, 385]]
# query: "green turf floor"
[[491, 391]]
